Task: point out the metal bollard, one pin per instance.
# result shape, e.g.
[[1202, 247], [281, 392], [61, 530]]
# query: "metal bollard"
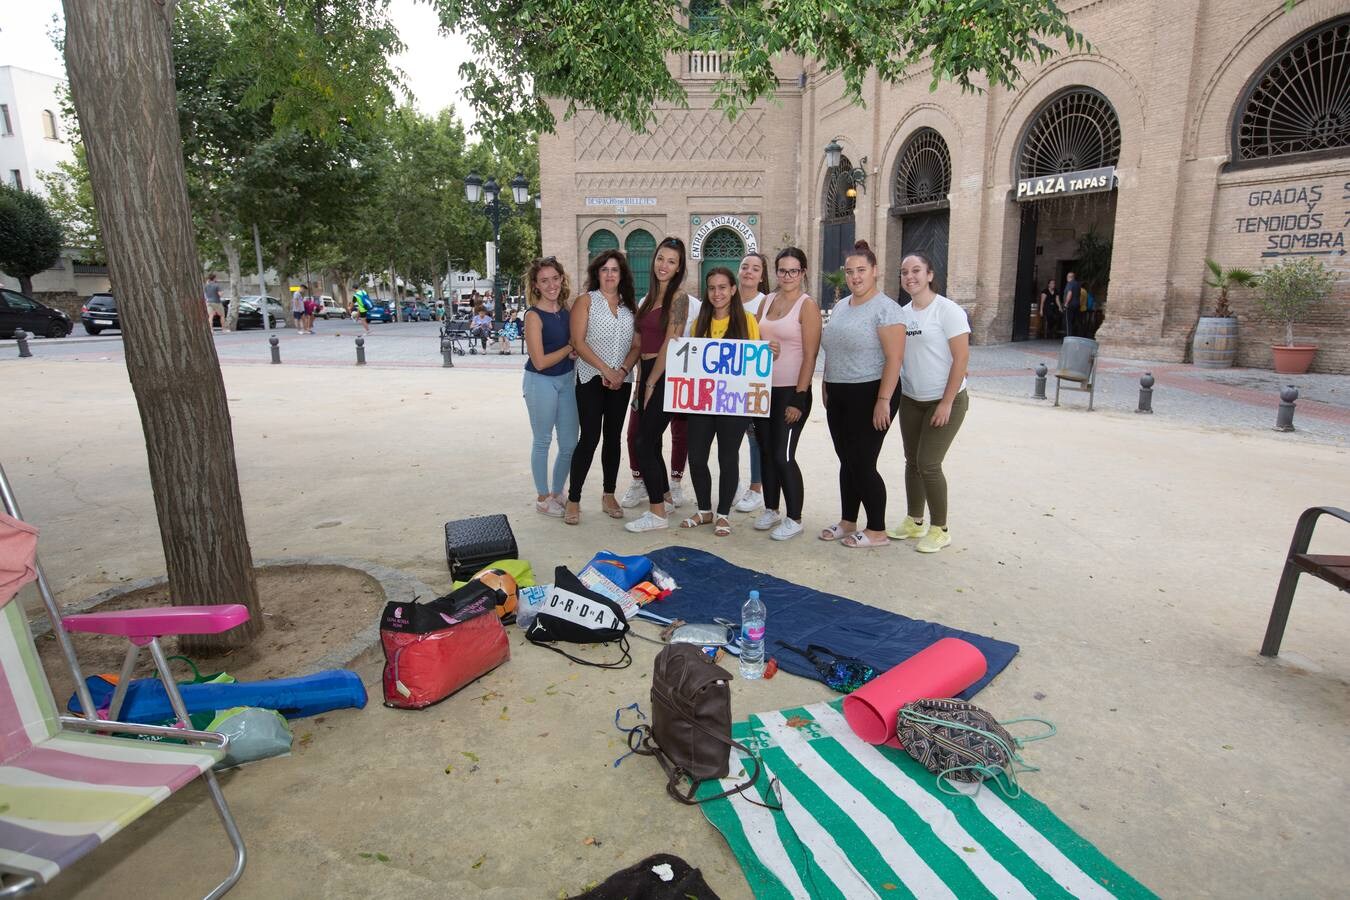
[[1041, 372], [447, 353], [1146, 393], [360, 351], [276, 349], [21, 338], [1284, 416]]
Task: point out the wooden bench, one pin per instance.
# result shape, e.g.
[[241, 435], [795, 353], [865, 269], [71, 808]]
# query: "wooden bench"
[[1333, 569]]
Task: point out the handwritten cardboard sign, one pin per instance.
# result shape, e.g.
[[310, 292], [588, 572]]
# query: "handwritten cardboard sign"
[[718, 377]]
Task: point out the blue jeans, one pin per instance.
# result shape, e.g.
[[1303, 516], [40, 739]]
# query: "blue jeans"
[[552, 404]]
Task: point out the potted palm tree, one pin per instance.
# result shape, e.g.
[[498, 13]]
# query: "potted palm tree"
[[1286, 291], [836, 280], [1216, 336]]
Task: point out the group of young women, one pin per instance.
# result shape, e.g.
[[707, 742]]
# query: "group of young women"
[[602, 354]]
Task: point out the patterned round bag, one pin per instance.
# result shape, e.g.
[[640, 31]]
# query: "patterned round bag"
[[957, 740]]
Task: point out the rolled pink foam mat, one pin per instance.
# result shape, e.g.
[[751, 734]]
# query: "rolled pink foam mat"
[[942, 669]]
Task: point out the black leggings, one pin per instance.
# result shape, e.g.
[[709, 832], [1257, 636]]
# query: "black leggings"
[[778, 452], [848, 411], [729, 431], [600, 411], [652, 421]]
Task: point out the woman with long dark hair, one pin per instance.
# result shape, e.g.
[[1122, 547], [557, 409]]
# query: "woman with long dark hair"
[[790, 321], [660, 318], [721, 315], [933, 400], [752, 284], [550, 380], [864, 347], [606, 345]]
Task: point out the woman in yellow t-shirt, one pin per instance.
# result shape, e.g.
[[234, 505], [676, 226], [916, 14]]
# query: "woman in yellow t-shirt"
[[720, 316]]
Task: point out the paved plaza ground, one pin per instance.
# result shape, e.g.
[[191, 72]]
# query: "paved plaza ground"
[[1133, 558]]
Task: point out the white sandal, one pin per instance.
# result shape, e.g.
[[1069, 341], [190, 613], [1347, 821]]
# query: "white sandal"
[[696, 520]]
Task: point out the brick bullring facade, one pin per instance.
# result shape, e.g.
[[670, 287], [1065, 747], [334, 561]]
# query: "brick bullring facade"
[[1224, 126]]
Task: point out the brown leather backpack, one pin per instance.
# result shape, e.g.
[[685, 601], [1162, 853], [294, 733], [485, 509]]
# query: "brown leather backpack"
[[690, 735]]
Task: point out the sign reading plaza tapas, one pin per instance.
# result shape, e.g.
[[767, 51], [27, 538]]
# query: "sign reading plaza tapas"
[[708, 226], [1087, 181], [717, 377]]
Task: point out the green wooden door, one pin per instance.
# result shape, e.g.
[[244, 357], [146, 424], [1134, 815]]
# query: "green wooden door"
[[640, 247], [601, 241], [723, 247]]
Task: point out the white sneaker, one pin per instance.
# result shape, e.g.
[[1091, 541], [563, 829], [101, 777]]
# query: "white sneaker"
[[648, 521], [768, 519], [787, 529], [750, 501], [636, 493], [677, 498]]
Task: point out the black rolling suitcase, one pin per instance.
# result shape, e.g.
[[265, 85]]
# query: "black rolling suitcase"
[[470, 544]]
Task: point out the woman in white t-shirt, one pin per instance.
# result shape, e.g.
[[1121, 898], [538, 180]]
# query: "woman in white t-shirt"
[[933, 399]]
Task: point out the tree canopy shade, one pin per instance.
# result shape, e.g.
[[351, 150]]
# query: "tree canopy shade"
[[30, 236], [610, 55]]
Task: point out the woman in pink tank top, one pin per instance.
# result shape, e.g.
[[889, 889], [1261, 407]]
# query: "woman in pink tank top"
[[790, 320]]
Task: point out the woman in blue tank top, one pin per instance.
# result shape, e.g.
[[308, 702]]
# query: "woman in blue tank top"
[[550, 382]]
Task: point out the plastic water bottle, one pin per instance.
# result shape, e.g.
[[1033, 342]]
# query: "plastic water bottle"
[[753, 616]]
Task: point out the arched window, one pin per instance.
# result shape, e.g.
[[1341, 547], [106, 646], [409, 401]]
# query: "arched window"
[[923, 173], [835, 201], [1299, 102], [640, 247], [1074, 130], [601, 241], [49, 125]]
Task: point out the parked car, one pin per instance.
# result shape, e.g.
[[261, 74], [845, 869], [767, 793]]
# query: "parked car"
[[381, 312], [417, 312], [100, 313], [250, 310], [21, 311], [330, 308]]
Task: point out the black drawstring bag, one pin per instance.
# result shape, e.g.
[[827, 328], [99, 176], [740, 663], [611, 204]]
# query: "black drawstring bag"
[[577, 614], [844, 674]]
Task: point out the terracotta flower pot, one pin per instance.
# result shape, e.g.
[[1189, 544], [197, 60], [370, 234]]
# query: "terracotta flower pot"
[[1293, 360]]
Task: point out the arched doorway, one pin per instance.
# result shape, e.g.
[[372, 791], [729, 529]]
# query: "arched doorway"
[[923, 179], [837, 228], [640, 248], [723, 247], [1065, 169], [599, 242]]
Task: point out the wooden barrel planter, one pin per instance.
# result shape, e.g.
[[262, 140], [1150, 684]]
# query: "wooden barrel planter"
[[1216, 342]]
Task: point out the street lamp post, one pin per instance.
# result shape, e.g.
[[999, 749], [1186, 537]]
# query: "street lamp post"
[[496, 210]]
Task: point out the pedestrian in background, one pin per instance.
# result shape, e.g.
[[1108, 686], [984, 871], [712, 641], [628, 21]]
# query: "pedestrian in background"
[[1073, 297], [1050, 309], [214, 306]]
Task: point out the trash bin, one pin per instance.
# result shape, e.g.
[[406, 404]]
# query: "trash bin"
[[1075, 358]]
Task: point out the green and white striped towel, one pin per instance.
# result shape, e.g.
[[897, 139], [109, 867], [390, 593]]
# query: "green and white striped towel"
[[864, 821]]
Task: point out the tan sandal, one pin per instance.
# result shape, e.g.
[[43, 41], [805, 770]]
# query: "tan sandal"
[[697, 519], [615, 511], [722, 527], [572, 513]]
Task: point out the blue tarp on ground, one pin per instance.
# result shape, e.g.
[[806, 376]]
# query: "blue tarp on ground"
[[712, 587]]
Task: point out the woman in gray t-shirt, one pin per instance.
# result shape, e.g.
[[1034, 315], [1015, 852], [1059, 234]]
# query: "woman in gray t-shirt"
[[864, 345]]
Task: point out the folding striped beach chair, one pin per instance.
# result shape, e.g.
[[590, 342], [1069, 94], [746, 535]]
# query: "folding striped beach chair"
[[67, 784]]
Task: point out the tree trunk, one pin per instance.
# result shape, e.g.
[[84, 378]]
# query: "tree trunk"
[[120, 64], [26, 285]]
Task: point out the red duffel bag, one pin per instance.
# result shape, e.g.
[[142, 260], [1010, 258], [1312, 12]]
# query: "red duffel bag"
[[433, 649]]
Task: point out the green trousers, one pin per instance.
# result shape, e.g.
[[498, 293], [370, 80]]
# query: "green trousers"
[[925, 448]]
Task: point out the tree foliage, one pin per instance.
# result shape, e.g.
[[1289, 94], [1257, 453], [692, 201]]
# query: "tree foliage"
[[30, 236], [71, 200], [611, 55]]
